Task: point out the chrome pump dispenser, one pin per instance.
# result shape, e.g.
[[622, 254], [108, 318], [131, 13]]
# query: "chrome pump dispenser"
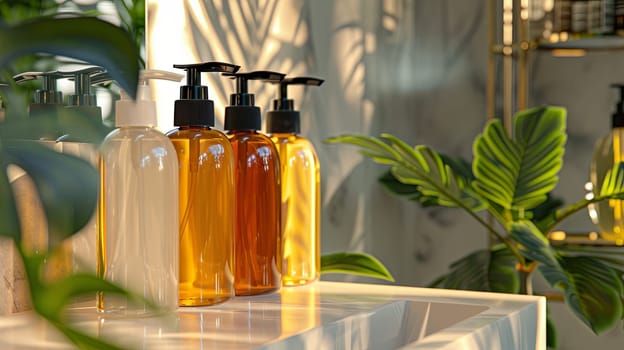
[[47, 101], [83, 100]]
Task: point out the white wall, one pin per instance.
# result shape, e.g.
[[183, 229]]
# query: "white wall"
[[416, 69]]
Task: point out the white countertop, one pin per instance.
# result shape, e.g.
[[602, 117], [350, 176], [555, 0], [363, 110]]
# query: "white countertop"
[[324, 315]]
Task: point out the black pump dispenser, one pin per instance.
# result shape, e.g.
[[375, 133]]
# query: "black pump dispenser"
[[242, 114], [194, 108], [617, 118], [284, 118]]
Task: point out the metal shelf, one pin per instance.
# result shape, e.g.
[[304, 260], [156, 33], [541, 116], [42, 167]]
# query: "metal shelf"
[[587, 239], [589, 43]]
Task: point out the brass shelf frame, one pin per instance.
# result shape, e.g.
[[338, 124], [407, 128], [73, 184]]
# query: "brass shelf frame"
[[510, 45]]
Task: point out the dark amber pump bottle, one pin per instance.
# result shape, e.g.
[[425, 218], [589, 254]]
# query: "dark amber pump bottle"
[[206, 206], [257, 224]]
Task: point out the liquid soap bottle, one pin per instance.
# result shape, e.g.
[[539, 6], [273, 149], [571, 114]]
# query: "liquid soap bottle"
[[137, 242], [82, 246], [608, 215], [206, 175], [301, 191], [258, 232]]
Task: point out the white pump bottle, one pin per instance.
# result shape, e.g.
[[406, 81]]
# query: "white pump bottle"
[[138, 214]]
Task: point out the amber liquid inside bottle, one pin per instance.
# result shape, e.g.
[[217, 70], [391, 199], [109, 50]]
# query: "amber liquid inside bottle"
[[206, 180], [258, 234], [300, 209]]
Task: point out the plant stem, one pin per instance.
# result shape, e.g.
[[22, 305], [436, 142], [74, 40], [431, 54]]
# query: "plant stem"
[[526, 282], [573, 208], [505, 240]]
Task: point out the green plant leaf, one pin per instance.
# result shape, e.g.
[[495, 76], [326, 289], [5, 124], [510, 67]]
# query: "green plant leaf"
[[535, 245], [419, 166], [82, 340], [67, 185], [410, 192], [51, 298], [613, 183], [57, 295], [518, 173], [84, 38], [355, 264], [592, 290], [66, 121], [490, 270]]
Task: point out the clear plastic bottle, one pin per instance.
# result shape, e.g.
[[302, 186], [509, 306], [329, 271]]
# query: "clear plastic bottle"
[[137, 242], [301, 190], [206, 198], [258, 225]]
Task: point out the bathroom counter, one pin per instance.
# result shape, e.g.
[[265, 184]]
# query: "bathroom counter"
[[324, 315]]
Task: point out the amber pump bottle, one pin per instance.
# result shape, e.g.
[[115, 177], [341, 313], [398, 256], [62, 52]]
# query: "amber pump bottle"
[[206, 180], [301, 191], [258, 227]]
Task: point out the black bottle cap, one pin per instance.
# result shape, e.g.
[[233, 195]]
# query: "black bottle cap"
[[617, 118], [284, 119], [194, 107], [242, 114]]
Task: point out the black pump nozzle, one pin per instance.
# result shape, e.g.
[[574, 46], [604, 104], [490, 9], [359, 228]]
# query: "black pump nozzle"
[[242, 114], [194, 107], [242, 97], [617, 118], [194, 90], [283, 118]]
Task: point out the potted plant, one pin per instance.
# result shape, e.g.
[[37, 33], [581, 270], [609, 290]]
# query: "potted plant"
[[511, 179]]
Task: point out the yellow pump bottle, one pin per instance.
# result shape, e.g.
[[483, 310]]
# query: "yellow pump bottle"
[[609, 151], [206, 179], [301, 191]]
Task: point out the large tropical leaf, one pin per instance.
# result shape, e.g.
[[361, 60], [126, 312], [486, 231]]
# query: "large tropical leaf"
[[84, 38], [412, 192], [419, 166], [518, 173], [490, 270], [592, 289], [50, 299], [66, 185]]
